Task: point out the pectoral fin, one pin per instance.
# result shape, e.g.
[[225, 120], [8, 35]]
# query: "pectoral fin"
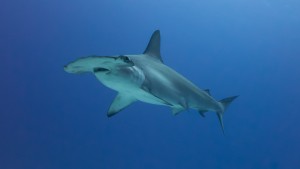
[[120, 102], [177, 110]]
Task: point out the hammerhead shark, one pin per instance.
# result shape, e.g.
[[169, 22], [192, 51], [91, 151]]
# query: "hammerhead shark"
[[144, 77]]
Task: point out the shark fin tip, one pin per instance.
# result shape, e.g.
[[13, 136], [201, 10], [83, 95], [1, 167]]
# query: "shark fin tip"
[[220, 117], [110, 114]]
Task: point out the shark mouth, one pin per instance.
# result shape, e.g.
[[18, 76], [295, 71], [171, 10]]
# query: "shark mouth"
[[100, 69]]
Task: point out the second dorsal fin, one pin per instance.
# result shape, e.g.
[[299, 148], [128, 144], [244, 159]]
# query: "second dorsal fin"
[[207, 91]]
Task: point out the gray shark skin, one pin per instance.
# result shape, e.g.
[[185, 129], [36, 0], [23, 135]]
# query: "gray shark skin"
[[144, 77]]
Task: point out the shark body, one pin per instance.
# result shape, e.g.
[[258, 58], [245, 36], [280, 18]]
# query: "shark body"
[[146, 78]]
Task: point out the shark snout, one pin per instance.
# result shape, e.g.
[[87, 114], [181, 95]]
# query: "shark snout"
[[74, 69], [66, 68], [98, 64], [69, 69]]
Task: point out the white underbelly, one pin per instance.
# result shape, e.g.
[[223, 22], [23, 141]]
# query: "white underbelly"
[[132, 90], [144, 96], [128, 81]]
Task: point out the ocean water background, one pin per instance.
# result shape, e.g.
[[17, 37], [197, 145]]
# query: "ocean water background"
[[50, 119]]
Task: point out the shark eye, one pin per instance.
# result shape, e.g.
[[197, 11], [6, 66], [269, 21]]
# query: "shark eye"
[[125, 59]]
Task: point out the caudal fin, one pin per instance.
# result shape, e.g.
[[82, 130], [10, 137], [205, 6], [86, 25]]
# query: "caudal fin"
[[225, 103]]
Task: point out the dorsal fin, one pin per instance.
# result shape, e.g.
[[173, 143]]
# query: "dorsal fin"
[[153, 48], [207, 91]]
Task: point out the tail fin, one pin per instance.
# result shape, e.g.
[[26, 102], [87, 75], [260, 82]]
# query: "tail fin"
[[225, 103]]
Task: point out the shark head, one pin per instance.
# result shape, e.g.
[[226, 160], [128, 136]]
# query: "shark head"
[[98, 64]]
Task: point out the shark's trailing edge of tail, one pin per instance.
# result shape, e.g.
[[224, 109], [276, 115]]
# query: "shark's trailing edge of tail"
[[225, 103]]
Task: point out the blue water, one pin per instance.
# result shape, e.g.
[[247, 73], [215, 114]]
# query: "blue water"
[[50, 119]]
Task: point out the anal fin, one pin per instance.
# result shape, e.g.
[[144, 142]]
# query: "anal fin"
[[202, 112], [120, 102]]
